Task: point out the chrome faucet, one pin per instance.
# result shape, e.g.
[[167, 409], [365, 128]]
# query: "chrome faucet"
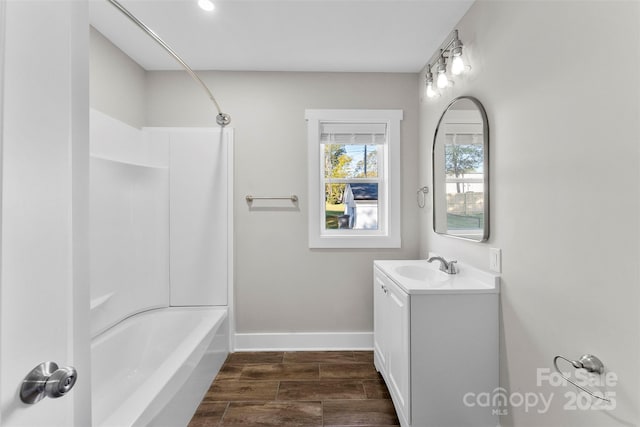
[[448, 267]]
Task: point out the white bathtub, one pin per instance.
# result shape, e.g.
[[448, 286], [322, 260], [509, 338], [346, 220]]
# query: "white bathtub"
[[153, 368]]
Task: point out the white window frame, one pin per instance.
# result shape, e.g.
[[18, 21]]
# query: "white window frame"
[[389, 228]]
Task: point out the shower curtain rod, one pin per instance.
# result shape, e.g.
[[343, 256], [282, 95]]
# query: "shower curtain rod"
[[222, 119]]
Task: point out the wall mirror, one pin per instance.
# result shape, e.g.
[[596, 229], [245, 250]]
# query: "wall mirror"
[[460, 165]]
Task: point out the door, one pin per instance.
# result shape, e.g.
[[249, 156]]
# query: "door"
[[44, 309]]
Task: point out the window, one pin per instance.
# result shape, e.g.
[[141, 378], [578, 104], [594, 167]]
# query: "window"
[[354, 178]]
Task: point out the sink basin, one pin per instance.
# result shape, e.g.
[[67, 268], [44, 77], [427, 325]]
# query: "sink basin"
[[416, 272]]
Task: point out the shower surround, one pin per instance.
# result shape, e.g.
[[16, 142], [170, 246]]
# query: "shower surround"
[[160, 268]]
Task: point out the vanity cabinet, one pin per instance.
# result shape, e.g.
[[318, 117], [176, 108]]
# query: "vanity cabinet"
[[437, 350]]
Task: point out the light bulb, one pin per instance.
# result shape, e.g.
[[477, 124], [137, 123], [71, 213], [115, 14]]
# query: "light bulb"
[[206, 5], [431, 92], [443, 81], [457, 65]]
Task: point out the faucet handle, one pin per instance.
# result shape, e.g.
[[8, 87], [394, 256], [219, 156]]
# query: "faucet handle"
[[452, 267]]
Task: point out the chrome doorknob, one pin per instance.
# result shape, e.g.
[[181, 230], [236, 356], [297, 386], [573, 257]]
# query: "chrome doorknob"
[[47, 380]]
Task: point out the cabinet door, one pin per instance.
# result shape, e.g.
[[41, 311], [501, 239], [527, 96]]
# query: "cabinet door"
[[398, 355], [380, 332]]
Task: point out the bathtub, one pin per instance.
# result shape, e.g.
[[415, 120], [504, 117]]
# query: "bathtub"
[[153, 368]]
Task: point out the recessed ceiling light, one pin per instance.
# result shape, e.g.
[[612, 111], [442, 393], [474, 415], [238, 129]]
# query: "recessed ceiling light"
[[206, 5]]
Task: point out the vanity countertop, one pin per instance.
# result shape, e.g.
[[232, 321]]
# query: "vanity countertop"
[[422, 277]]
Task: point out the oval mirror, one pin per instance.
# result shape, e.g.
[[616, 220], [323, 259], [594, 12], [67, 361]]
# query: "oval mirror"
[[460, 165]]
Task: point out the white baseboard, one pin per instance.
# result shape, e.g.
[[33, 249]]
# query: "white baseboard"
[[300, 341]]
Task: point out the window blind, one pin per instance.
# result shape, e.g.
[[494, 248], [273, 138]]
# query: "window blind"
[[353, 133]]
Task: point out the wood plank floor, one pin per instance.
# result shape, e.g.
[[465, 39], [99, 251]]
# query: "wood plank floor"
[[306, 388]]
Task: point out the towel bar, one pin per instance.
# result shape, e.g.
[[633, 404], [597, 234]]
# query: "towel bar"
[[250, 198]]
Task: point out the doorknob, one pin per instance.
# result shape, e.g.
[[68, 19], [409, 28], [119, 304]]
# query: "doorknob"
[[47, 380]]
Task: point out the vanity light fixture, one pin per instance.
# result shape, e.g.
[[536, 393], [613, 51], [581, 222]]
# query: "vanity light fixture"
[[442, 81], [451, 48], [431, 92], [457, 64]]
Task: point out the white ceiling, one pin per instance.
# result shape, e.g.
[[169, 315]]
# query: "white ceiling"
[[283, 35]]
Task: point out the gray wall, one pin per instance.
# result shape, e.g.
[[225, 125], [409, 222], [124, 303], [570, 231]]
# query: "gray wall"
[[280, 284], [564, 192], [117, 83]]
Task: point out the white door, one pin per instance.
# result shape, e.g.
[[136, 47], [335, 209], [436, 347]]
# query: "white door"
[[44, 207]]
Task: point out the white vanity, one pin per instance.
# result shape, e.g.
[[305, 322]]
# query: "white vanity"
[[436, 342]]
